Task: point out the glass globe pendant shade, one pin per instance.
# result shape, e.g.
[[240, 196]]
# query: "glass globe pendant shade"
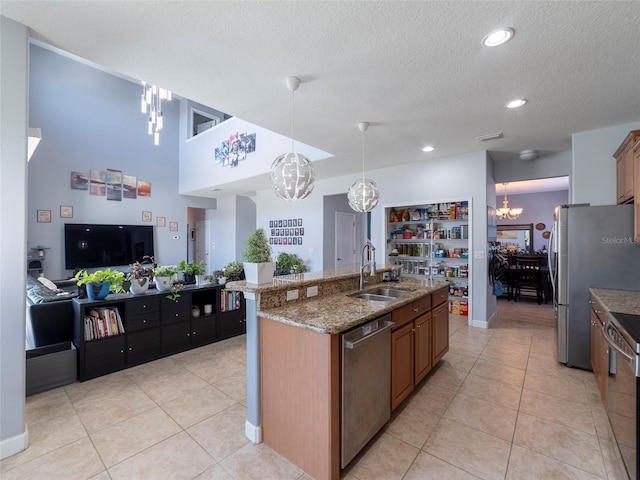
[[292, 176], [363, 195]]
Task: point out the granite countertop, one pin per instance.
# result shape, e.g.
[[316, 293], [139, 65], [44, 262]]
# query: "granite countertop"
[[339, 312], [621, 301]]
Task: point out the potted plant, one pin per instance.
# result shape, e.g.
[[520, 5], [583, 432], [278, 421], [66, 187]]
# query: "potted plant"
[[287, 263], [258, 267], [164, 276], [100, 282], [232, 272], [191, 269], [139, 278]]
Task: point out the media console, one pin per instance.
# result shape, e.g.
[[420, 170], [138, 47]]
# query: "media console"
[[138, 329]]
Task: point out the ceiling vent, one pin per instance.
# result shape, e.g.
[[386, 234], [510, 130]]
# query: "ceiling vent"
[[491, 136], [528, 155]]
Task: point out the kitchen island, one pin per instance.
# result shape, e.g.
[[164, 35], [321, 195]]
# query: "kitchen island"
[[293, 357]]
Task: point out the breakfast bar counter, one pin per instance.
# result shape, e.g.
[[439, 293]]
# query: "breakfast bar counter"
[[294, 344]]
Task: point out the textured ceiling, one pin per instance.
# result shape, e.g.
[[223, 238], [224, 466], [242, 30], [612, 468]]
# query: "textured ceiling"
[[417, 71]]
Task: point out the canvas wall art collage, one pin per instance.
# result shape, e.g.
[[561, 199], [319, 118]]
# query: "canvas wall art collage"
[[112, 184]]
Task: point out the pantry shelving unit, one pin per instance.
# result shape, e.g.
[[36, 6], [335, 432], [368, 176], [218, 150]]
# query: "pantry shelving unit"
[[431, 241]]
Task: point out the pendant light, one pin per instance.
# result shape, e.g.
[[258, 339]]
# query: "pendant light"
[[363, 193], [292, 174], [505, 212]]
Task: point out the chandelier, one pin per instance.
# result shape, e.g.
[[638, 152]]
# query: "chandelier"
[[151, 103], [363, 193], [292, 174], [505, 212]]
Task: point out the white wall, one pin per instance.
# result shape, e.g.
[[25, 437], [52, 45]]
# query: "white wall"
[[333, 204], [14, 55], [545, 166], [593, 173]]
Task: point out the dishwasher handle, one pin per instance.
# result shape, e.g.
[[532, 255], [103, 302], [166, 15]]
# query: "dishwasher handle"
[[351, 345]]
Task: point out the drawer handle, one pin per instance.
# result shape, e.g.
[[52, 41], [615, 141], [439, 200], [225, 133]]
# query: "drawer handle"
[[121, 352], [144, 321], [415, 310], [193, 333], [177, 314], [130, 348], [144, 306]]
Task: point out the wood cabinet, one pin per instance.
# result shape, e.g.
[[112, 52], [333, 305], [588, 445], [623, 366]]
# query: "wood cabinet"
[[419, 339], [636, 191], [155, 326], [625, 169], [599, 348]]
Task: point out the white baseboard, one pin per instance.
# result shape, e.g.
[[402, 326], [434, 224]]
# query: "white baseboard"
[[479, 324], [253, 433], [13, 445]]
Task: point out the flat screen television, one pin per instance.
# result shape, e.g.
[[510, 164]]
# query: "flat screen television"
[[90, 245]]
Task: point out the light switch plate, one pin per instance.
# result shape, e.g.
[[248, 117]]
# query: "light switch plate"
[[312, 291], [292, 294]]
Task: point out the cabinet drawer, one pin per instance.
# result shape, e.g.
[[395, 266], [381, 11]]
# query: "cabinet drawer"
[[183, 301], [405, 314], [145, 305], [439, 296], [138, 322], [175, 315]]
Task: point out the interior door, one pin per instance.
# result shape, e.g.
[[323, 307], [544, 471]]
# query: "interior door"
[[202, 243], [345, 241]]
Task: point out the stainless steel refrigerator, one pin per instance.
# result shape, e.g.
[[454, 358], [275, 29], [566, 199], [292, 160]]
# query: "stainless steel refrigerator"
[[589, 247]]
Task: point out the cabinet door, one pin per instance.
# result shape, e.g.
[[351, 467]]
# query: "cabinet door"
[[101, 357], [620, 184], [422, 345], [203, 330], [440, 332], [143, 346], [401, 364], [628, 172], [230, 324], [176, 338]]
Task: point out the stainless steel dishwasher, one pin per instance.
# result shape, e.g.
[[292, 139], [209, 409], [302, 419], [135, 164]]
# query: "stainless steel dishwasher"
[[366, 384]]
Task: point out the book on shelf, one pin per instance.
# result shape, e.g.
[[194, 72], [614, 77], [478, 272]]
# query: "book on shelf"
[[102, 322]]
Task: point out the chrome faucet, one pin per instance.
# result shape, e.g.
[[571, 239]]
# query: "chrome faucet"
[[371, 263]]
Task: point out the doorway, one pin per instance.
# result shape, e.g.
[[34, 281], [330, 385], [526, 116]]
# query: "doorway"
[[345, 240]]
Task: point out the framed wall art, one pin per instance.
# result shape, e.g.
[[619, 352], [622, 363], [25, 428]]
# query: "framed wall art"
[[66, 211], [146, 216], [173, 226], [44, 216], [161, 221]]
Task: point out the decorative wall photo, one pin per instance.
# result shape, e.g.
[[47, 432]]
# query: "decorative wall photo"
[[144, 188], [146, 216], [114, 185], [161, 221], [173, 226], [44, 216], [66, 211], [97, 184], [129, 186], [79, 181], [235, 149]]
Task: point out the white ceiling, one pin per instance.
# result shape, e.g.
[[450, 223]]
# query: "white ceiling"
[[417, 71]]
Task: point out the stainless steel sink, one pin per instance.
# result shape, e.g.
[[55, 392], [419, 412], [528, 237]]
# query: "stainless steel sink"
[[390, 292], [372, 296]]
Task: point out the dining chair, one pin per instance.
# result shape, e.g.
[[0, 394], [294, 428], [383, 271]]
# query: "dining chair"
[[528, 277]]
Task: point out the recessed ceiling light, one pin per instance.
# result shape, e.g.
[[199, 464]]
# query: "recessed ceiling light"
[[516, 103], [428, 148], [498, 37]]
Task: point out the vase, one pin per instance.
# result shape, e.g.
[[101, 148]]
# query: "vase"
[[259, 273], [201, 280], [98, 291], [163, 283], [139, 286], [189, 279]]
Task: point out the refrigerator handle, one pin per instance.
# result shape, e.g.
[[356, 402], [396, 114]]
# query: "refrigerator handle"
[[551, 262]]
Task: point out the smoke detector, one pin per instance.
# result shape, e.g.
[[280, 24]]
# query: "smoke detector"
[[528, 154]]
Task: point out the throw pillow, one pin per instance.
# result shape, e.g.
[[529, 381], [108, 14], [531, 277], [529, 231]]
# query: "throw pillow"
[[47, 283]]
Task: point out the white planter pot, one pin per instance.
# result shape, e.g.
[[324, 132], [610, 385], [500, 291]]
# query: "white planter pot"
[[163, 284], [201, 280], [139, 286], [259, 273]]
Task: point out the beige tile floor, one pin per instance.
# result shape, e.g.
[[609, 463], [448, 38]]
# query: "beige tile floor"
[[498, 406]]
